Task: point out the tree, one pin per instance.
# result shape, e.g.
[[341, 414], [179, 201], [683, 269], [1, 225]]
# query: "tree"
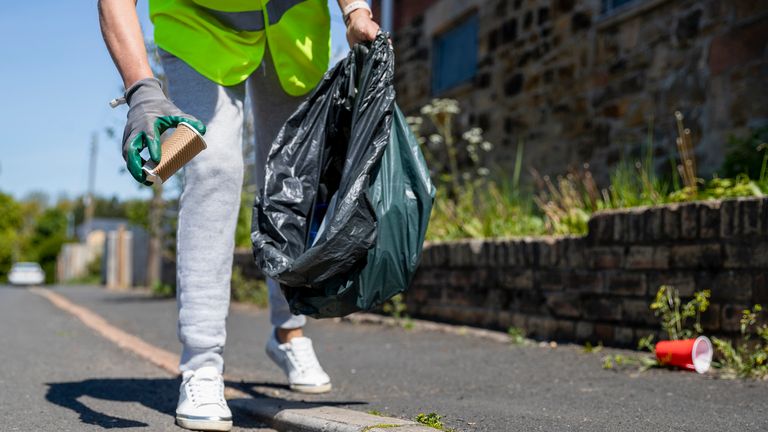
[[11, 224], [44, 245]]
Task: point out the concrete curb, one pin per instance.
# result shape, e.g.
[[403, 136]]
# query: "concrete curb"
[[307, 417], [283, 415]]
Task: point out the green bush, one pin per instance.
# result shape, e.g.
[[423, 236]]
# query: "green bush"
[[747, 155], [92, 274], [246, 290], [163, 290], [11, 223]]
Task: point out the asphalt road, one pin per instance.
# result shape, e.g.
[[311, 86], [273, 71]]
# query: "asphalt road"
[[58, 375], [477, 385]]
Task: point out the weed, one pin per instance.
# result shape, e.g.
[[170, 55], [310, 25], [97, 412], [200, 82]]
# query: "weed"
[[750, 358], [472, 203], [675, 315], [92, 274], [646, 344], [516, 335], [397, 309], [432, 420], [163, 290], [590, 349], [617, 361], [743, 156], [379, 426], [376, 413]]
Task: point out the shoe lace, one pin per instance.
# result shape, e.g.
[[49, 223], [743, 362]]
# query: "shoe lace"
[[204, 391], [303, 357]]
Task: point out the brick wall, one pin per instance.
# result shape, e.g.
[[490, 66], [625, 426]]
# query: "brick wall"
[[598, 287], [577, 86]]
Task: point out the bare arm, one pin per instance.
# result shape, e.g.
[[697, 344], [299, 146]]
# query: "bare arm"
[[360, 25], [122, 33]]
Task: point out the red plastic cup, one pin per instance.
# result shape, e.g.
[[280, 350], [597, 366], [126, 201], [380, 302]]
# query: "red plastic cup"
[[690, 354]]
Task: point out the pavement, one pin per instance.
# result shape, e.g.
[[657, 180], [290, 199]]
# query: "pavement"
[[58, 372], [57, 375]]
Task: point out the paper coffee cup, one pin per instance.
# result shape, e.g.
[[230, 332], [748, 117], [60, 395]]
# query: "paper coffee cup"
[[184, 144]]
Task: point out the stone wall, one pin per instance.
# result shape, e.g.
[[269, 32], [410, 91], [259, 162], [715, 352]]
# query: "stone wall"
[[579, 86], [598, 287]]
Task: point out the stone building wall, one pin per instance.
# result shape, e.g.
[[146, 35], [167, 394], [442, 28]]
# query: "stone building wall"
[[580, 87], [598, 288]]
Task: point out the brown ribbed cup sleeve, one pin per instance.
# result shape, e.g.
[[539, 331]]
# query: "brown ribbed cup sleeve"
[[184, 144]]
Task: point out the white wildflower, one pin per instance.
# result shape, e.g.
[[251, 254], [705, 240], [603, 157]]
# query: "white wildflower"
[[473, 136], [435, 139]]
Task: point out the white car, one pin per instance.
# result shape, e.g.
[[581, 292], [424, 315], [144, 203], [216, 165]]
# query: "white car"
[[26, 273]]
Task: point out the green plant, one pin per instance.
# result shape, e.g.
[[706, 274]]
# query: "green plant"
[[469, 202], [743, 155], [244, 216], [92, 274], [516, 335], [749, 359], [589, 348], [379, 426], [163, 290], [568, 201], [687, 166], [617, 361], [248, 290], [492, 210], [455, 159], [432, 420], [719, 188], [646, 343], [397, 309], [674, 315], [472, 203]]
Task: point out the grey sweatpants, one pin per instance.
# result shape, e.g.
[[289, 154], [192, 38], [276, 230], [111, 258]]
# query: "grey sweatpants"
[[211, 198]]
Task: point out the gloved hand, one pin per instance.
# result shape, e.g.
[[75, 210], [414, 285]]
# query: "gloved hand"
[[150, 114]]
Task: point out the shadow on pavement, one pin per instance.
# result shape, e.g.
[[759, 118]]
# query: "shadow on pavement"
[[159, 394]]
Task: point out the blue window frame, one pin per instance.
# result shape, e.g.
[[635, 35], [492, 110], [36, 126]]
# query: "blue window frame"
[[454, 55]]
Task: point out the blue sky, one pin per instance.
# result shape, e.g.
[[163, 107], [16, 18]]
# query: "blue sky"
[[56, 79]]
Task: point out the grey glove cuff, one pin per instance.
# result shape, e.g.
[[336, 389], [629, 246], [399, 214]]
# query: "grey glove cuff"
[[147, 88]]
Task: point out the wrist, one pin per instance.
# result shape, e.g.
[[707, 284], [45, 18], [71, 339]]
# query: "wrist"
[[358, 14], [355, 10], [143, 88]]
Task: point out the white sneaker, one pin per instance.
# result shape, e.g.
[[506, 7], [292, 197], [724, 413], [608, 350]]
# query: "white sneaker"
[[298, 360], [201, 401]]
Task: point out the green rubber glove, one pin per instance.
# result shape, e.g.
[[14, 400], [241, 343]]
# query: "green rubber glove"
[[150, 114]]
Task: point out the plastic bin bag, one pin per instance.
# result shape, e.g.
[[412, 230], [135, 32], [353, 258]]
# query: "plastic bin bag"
[[341, 219]]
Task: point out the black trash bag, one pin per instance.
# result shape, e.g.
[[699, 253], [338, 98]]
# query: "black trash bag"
[[341, 219]]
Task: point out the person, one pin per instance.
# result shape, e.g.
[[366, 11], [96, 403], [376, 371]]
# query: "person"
[[213, 52]]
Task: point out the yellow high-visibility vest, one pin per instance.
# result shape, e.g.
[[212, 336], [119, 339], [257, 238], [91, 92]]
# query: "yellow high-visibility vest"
[[224, 40]]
